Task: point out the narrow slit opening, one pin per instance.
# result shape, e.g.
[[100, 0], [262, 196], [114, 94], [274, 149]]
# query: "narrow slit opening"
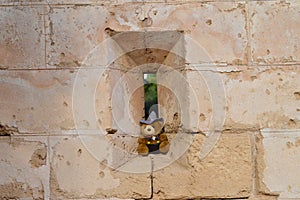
[[150, 91]]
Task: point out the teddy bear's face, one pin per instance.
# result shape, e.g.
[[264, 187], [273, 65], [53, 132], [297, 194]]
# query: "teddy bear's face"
[[151, 129]]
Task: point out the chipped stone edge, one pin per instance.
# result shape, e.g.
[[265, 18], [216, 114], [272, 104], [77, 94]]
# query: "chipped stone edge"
[[260, 164]]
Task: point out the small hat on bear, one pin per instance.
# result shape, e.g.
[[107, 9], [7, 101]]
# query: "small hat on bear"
[[152, 118]]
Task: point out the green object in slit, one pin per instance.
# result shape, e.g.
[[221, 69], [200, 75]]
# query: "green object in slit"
[[150, 89]]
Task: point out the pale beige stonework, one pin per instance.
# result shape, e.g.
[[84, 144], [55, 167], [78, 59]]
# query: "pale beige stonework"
[[266, 89], [24, 168], [37, 101], [280, 157], [262, 93], [71, 34], [22, 41], [275, 31], [71, 98], [205, 28], [225, 173], [267, 98], [263, 197], [78, 172]]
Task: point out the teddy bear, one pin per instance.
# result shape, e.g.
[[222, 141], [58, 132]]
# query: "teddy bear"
[[152, 138]]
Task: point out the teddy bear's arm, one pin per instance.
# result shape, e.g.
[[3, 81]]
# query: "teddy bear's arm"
[[163, 137], [142, 141]]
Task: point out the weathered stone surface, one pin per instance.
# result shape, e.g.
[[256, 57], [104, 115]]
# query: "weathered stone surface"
[[225, 173], [207, 99], [22, 39], [20, 2], [241, 93], [217, 32], [210, 27], [77, 2], [206, 29], [23, 175], [267, 97], [72, 34], [275, 21], [81, 170], [27, 96], [36, 101], [279, 155], [263, 197]]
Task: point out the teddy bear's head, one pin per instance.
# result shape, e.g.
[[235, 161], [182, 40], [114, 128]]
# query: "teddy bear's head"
[[152, 129], [152, 138]]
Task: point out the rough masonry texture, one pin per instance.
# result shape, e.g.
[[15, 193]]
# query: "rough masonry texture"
[[71, 97]]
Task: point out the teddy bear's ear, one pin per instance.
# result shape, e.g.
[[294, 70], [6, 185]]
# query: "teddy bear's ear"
[[143, 128]]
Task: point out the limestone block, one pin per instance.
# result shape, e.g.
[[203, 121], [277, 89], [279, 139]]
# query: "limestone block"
[[267, 98], [278, 168], [211, 35], [265, 29], [91, 99], [20, 2], [239, 97], [92, 2], [80, 168], [80, 99], [225, 173], [77, 2], [206, 29], [173, 98], [215, 31], [207, 98], [263, 197], [36, 101], [22, 39], [24, 168], [72, 35]]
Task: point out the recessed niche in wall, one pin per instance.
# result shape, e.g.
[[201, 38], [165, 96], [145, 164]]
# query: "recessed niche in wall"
[[151, 52]]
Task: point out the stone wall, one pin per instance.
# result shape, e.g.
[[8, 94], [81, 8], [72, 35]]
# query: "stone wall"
[[71, 98]]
